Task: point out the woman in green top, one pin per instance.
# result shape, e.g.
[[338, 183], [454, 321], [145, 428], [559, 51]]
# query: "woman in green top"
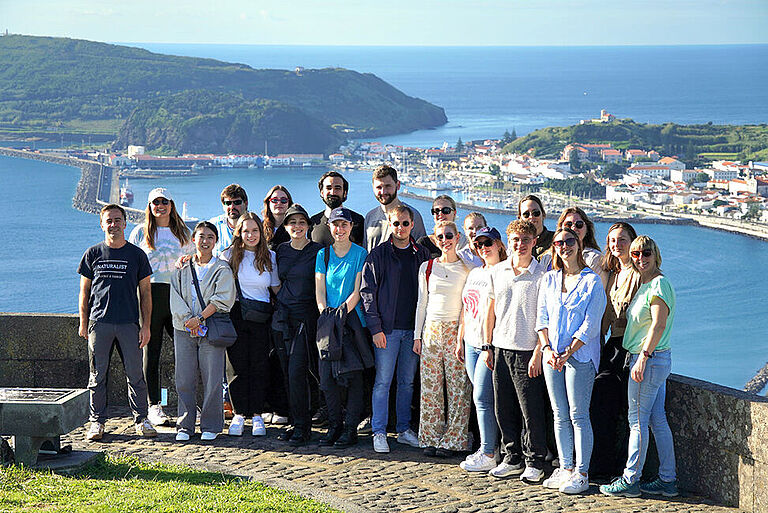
[[649, 321]]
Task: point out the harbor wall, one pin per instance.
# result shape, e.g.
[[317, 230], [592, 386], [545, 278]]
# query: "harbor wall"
[[721, 434]]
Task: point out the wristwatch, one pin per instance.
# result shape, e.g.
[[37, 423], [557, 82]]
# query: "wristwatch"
[[201, 319], [486, 348], [647, 354]]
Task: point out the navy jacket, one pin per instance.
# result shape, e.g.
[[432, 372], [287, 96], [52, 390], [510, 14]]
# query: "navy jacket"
[[381, 279]]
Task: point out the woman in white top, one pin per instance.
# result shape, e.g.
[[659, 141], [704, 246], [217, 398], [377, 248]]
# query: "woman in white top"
[[577, 220], [255, 271], [164, 238], [470, 346], [438, 310]]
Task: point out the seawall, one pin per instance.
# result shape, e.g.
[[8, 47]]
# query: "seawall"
[[721, 434]]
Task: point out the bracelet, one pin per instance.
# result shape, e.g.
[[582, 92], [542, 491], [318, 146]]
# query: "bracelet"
[[486, 347], [647, 354]]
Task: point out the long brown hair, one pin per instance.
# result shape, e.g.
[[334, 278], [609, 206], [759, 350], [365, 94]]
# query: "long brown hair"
[[557, 262], [262, 260], [175, 223], [589, 237], [269, 220], [609, 262]]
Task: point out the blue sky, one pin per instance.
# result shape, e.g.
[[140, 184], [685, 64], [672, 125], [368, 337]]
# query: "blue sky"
[[394, 22]]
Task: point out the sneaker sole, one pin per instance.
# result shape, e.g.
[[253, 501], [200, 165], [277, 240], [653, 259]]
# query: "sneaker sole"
[[621, 494], [506, 475], [574, 492], [659, 492], [531, 481], [381, 451]]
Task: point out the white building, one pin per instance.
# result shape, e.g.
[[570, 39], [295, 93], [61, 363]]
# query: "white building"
[[135, 150], [650, 170], [682, 175]]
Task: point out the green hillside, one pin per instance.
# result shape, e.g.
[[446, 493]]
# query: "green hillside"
[[53, 85], [744, 142]]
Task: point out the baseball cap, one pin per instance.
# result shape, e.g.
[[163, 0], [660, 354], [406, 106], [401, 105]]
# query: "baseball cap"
[[340, 213], [293, 210], [159, 192], [487, 231]]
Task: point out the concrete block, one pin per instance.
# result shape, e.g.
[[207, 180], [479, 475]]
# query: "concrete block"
[[14, 373]]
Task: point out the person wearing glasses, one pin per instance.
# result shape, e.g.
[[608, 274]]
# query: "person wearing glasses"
[[647, 338], [234, 201], [578, 221], [443, 209], [333, 191], [511, 349], [570, 309], [438, 313], [389, 294], [609, 395], [471, 343], [530, 208], [164, 238], [276, 204]]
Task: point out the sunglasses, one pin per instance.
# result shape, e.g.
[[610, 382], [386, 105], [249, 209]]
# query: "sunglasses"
[[534, 213], [444, 210], [571, 241], [578, 225], [278, 200], [446, 236], [403, 223], [486, 243], [160, 201], [646, 253], [232, 202]]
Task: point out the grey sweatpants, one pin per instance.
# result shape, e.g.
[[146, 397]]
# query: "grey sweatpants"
[[101, 335], [195, 356]]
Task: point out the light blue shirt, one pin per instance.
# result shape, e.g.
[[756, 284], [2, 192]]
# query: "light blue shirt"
[[225, 234], [578, 315], [340, 275]]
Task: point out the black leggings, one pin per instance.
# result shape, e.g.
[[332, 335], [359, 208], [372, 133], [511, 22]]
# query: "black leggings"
[[161, 319]]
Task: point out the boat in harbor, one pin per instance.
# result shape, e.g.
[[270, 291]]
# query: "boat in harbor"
[[126, 194]]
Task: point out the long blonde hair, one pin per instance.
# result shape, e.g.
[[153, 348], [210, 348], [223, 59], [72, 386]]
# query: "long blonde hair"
[[262, 260], [175, 223]]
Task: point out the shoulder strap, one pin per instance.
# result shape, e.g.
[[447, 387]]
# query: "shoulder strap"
[[429, 269], [327, 257], [197, 284]]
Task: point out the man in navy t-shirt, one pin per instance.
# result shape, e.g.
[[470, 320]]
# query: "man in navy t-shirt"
[[110, 272]]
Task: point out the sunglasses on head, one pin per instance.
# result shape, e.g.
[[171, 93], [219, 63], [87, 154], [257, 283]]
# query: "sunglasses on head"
[[534, 213], [564, 242], [398, 223], [446, 235], [233, 202], [578, 225], [444, 210], [160, 201], [278, 200], [646, 253], [485, 243]]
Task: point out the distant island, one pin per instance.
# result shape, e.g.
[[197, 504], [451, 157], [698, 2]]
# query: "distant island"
[[51, 87], [694, 144]]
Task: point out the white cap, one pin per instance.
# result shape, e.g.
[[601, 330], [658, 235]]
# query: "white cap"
[[159, 192]]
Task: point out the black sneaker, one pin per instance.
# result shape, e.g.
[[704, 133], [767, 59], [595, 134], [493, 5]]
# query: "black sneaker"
[[285, 435], [300, 437], [430, 452], [330, 437], [444, 453], [347, 439], [320, 418]]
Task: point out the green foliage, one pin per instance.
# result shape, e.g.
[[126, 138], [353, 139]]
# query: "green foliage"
[[612, 170], [573, 160], [494, 169], [667, 139], [582, 187], [48, 82], [126, 485], [459, 146]]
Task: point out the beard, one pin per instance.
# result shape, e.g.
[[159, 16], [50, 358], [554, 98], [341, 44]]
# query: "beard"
[[333, 201], [386, 199]]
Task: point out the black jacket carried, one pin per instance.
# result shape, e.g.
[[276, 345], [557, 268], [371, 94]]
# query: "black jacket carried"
[[343, 341]]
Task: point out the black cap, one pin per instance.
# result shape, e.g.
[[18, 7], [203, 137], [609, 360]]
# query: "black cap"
[[293, 210]]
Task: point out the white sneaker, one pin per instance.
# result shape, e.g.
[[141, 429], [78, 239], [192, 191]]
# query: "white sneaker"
[[145, 429], [380, 443], [208, 436], [482, 463], [236, 426], [408, 437], [532, 475], [504, 470], [95, 431], [558, 477], [258, 428], [266, 417], [181, 436], [157, 416], [577, 484], [279, 419], [472, 457]]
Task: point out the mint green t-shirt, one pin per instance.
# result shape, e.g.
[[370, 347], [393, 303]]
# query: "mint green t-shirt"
[[639, 314]]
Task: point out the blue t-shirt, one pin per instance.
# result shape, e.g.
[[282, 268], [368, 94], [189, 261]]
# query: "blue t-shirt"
[[340, 275]]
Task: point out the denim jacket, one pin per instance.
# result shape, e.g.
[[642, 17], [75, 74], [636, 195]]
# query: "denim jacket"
[[578, 316]]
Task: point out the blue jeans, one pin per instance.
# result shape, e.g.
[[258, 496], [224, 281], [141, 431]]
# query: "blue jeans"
[[482, 395], [399, 352], [570, 392], [646, 407]]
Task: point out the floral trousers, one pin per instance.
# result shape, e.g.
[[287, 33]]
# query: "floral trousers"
[[443, 374]]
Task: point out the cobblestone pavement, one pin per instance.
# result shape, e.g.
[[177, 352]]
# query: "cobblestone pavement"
[[358, 480]]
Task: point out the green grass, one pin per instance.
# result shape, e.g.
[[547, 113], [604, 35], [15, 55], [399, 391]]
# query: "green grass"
[[719, 156], [121, 484]]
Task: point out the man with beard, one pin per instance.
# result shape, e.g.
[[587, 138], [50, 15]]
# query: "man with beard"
[[234, 201], [377, 226], [333, 190]]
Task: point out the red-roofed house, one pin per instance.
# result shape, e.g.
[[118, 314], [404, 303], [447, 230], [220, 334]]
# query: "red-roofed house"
[[611, 155], [632, 155]]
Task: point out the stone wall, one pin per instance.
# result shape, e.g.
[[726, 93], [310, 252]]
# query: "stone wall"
[[721, 434]]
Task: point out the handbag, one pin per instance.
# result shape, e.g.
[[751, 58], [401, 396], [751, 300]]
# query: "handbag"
[[221, 331], [252, 309]]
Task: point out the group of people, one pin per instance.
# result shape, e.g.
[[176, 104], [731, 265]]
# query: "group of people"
[[547, 337]]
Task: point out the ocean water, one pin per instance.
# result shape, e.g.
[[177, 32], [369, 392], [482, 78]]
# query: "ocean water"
[[719, 277]]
